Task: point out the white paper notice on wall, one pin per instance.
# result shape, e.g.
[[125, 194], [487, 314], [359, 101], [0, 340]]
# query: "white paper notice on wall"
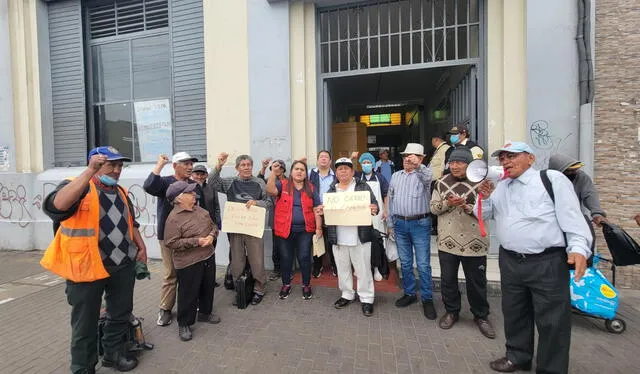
[[153, 122], [4, 158]]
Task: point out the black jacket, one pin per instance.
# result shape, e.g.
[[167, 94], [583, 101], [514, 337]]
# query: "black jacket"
[[365, 233]]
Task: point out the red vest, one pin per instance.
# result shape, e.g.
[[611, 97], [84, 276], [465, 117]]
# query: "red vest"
[[283, 213]]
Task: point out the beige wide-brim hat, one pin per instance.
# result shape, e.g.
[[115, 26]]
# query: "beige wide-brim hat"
[[413, 149]]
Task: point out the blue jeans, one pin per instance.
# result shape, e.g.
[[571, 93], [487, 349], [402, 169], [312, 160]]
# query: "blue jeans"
[[416, 235], [302, 242]]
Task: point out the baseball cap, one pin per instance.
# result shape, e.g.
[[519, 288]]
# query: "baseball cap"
[[111, 153], [183, 156], [513, 147], [344, 161], [178, 187], [458, 129], [200, 169]]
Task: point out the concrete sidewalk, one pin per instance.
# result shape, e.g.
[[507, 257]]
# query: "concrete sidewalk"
[[284, 336]]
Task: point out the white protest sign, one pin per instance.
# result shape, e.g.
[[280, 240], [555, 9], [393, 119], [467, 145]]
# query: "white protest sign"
[[240, 220], [347, 208], [153, 122]]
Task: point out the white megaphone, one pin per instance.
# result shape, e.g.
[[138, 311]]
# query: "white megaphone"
[[478, 170]]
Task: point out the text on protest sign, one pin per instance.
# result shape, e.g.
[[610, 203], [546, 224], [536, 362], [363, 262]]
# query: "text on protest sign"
[[347, 208], [240, 220]]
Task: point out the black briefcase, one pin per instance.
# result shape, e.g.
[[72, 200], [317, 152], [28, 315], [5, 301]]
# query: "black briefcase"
[[244, 288]]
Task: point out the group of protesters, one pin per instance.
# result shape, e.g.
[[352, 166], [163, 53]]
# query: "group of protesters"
[[97, 245]]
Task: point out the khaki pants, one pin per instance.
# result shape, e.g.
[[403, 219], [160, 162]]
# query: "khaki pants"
[[169, 280], [253, 248]]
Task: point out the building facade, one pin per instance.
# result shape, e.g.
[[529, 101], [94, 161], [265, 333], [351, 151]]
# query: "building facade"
[[270, 78]]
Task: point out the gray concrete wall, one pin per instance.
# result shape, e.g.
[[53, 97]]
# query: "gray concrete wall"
[[269, 91], [552, 80], [7, 137]]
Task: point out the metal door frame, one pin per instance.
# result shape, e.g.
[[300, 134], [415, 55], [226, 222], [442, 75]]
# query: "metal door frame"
[[323, 96]]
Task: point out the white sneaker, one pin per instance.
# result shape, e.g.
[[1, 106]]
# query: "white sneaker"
[[376, 275]]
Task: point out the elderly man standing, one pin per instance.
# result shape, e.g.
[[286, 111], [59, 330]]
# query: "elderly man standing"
[[459, 241], [94, 249], [540, 235], [247, 189], [157, 186], [410, 221], [352, 244]]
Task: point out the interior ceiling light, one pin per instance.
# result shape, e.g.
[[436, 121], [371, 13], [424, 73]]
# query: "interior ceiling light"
[[376, 106]]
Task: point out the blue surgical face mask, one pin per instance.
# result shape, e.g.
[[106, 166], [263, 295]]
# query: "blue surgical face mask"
[[107, 180], [455, 138], [366, 168]]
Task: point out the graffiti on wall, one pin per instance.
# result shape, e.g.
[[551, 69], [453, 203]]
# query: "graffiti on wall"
[[17, 207], [545, 142], [144, 207]]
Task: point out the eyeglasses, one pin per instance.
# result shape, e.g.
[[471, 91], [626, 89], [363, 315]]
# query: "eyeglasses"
[[508, 156]]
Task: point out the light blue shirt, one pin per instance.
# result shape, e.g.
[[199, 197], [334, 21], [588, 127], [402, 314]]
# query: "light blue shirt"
[[527, 220], [325, 182], [409, 193]]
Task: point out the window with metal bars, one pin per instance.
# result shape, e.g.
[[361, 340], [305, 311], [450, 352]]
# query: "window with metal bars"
[[387, 33], [118, 17]]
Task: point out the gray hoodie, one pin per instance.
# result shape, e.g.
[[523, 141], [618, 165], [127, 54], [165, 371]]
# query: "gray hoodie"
[[582, 184]]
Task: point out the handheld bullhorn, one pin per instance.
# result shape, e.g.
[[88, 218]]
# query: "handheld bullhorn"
[[478, 171]]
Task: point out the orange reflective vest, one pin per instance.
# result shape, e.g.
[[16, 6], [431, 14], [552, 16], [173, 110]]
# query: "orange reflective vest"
[[74, 254]]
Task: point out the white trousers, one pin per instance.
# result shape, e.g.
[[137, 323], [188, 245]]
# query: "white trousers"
[[360, 257]]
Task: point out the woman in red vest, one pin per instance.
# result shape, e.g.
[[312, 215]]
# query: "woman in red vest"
[[295, 222]]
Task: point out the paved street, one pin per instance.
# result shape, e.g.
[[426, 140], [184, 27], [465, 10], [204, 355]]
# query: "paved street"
[[290, 336]]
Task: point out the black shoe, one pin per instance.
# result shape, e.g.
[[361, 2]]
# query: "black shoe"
[[119, 361], [306, 292], [503, 365], [406, 300], [257, 298], [334, 271], [317, 270], [367, 309], [429, 310], [285, 291], [184, 332], [341, 303], [217, 285]]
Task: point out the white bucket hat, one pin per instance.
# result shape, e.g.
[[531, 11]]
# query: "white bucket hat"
[[413, 149]]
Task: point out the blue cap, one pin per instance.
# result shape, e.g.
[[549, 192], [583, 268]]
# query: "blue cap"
[[367, 156], [513, 147], [111, 153]]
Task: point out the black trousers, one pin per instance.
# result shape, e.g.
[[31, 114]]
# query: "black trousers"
[[536, 289], [275, 252], [86, 299], [475, 274], [196, 285]]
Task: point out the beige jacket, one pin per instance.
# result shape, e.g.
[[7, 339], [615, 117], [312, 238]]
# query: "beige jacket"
[[437, 161]]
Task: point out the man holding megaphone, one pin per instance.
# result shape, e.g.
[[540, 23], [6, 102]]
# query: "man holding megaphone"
[[538, 239]]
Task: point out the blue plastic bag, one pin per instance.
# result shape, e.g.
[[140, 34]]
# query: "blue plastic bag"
[[593, 294]]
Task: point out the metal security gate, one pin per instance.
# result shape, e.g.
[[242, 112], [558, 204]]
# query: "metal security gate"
[[389, 35]]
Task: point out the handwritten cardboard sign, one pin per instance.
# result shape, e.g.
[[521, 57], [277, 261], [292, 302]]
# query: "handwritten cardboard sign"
[[347, 208], [240, 220]]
